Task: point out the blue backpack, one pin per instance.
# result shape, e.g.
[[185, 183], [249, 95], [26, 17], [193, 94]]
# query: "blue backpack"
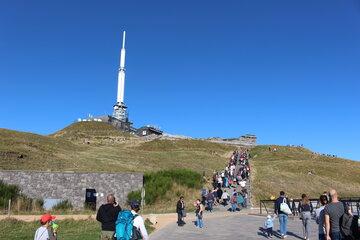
[[124, 225]]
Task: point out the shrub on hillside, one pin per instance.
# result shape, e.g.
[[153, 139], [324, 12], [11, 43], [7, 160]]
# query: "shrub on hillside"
[[158, 183]]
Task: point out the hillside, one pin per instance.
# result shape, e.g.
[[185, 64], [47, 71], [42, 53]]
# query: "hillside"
[[97, 146], [92, 132], [297, 170]]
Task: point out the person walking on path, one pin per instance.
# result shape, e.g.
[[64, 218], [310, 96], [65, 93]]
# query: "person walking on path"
[[305, 209], [333, 213], [269, 224], [45, 232], [210, 200], [319, 214], [107, 215], [139, 229], [180, 210], [283, 216], [199, 213], [225, 198], [233, 202]]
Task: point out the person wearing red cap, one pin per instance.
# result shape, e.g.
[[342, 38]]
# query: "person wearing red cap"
[[45, 232]]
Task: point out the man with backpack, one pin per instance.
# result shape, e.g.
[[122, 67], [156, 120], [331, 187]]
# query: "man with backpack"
[[107, 215], [130, 225], [334, 213]]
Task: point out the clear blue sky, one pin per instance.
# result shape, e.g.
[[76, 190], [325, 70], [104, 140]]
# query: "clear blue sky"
[[288, 71]]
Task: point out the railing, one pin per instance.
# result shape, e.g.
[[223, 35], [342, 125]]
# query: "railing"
[[352, 202]]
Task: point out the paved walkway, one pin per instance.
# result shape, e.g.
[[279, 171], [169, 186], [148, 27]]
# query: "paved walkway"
[[238, 226]]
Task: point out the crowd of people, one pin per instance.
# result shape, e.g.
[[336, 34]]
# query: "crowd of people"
[[230, 183], [229, 186], [333, 217], [116, 223]]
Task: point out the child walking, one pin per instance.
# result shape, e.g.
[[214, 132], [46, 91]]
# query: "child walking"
[[269, 224]]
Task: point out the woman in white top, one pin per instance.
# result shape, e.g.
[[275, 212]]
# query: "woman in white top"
[[138, 221]]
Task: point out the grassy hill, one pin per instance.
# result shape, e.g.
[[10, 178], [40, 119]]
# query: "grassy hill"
[[97, 146], [93, 132], [297, 170]]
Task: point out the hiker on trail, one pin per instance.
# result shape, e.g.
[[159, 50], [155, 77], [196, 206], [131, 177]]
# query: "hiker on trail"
[[138, 225], [199, 213], [210, 200], [107, 215], [225, 198], [333, 213], [319, 214], [245, 194], [240, 200], [219, 193], [233, 201], [269, 224], [180, 210], [282, 210], [305, 209], [45, 232]]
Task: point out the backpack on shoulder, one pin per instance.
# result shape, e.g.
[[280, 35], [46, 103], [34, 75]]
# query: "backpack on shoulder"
[[124, 226], [349, 227]]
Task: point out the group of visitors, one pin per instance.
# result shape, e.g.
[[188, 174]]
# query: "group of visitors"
[[115, 223], [121, 224], [235, 173], [330, 216], [229, 186]]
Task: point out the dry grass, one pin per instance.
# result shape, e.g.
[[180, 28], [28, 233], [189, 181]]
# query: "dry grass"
[[97, 147], [298, 170], [167, 204]]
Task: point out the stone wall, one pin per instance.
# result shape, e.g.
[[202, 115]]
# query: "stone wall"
[[72, 186]]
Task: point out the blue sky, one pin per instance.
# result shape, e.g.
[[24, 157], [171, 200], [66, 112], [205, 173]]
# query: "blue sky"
[[287, 71]]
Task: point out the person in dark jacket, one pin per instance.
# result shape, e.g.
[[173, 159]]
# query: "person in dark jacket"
[[180, 210], [283, 217], [107, 215]]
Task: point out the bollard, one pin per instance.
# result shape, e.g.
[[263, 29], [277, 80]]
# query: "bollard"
[[9, 208]]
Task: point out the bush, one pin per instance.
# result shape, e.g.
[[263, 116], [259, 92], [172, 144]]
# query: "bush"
[[63, 205], [134, 195], [158, 183], [7, 192]]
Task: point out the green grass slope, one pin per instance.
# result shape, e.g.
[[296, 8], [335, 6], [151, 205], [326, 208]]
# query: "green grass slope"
[[97, 146], [297, 170], [99, 132], [20, 150]]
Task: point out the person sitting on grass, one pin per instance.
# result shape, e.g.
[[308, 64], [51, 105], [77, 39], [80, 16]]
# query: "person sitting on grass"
[[45, 232]]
